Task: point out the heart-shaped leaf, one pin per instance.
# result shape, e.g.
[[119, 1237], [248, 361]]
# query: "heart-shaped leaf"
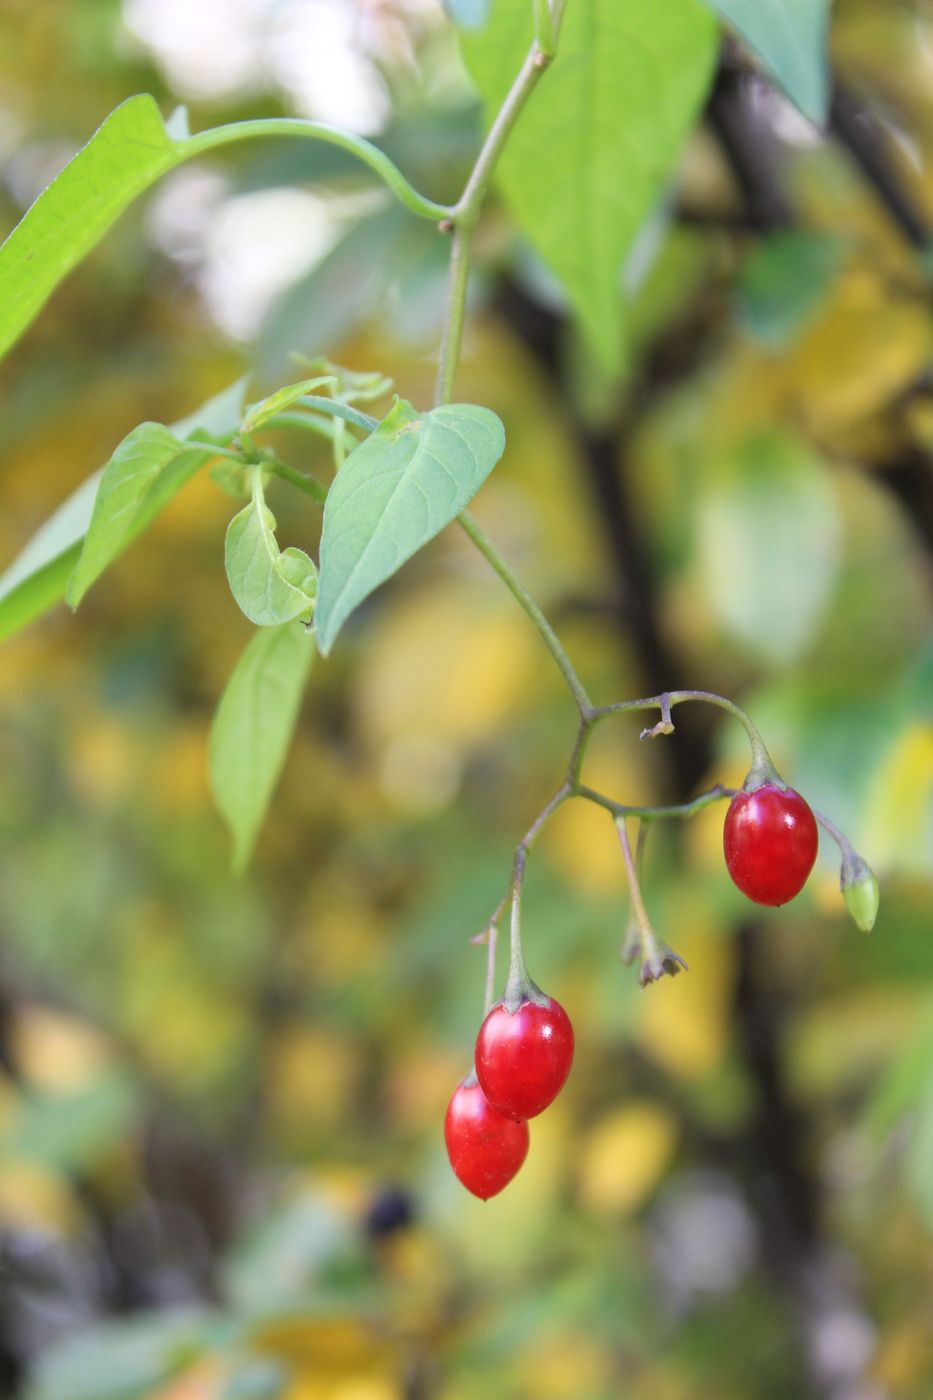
[[395, 492], [591, 152], [270, 587]]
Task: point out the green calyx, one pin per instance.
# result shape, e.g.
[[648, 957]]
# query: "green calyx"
[[860, 892]]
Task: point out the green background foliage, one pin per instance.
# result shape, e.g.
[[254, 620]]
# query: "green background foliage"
[[222, 1171]]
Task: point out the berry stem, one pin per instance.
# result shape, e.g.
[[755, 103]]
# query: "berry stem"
[[519, 986], [854, 866], [762, 769], [656, 957]]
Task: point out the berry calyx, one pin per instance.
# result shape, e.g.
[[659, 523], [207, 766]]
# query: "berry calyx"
[[524, 1056], [770, 842], [485, 1147]]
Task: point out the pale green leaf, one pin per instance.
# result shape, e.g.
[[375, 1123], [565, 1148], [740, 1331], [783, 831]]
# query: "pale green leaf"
[[789, 36], [270, 587], [39, 575], [769, 543], [260, 413], [591, 153], [125, 1359], [253, 726], [72, 1132], [123, 158], [395, 492], [147, 469]]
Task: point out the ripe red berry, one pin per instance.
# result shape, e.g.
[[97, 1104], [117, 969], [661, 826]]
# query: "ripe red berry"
[[485, 1148], [524, 1056], [770, 841]]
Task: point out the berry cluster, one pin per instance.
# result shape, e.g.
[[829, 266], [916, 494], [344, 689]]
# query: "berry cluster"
[[522, 1059], [524, 1048]]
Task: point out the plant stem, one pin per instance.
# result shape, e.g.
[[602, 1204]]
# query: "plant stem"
[[656, 957], [364, 150], [762, 767], [455, 314], [525, 600], [462, 223], [517, 984], [462, 219], [305, 483], [340, 410], [638, 903], [680, 809]]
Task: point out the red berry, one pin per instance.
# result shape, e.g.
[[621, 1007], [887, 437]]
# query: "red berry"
[[524, 1056], [770, 841], [485, 1148]]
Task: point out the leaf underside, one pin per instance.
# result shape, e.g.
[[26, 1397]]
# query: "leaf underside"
[[394, 493], [789, 36]]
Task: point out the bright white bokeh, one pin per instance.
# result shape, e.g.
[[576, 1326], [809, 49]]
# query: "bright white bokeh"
[[322, 59]]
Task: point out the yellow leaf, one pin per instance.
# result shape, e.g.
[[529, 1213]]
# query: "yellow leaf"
[[35, 1197], [312, 1078], [445, 665], [57, 1052], [683, 1022], [898, 824], [624, 1157], [864, 348], [582, 840]]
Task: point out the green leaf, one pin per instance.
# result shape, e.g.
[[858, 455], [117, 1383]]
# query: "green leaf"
[[146, 470], [39, 576], [769, 543], [72, 1132], [122, 1360], [123, 157], [395, 492], [789, 36], [260, 413], [253, 726], [785, 280], [270, 587], [591, 153]]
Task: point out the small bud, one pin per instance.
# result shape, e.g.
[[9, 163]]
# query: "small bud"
[[860, 892]]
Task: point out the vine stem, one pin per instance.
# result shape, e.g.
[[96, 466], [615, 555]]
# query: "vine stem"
[[364, 150], [461, 223], [762, 769], [656, 957], [489, 552]]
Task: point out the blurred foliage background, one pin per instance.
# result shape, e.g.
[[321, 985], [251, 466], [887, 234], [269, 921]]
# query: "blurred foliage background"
[[222, 1168]]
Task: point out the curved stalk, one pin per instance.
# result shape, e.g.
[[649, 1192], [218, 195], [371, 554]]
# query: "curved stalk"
[[364, 150]]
